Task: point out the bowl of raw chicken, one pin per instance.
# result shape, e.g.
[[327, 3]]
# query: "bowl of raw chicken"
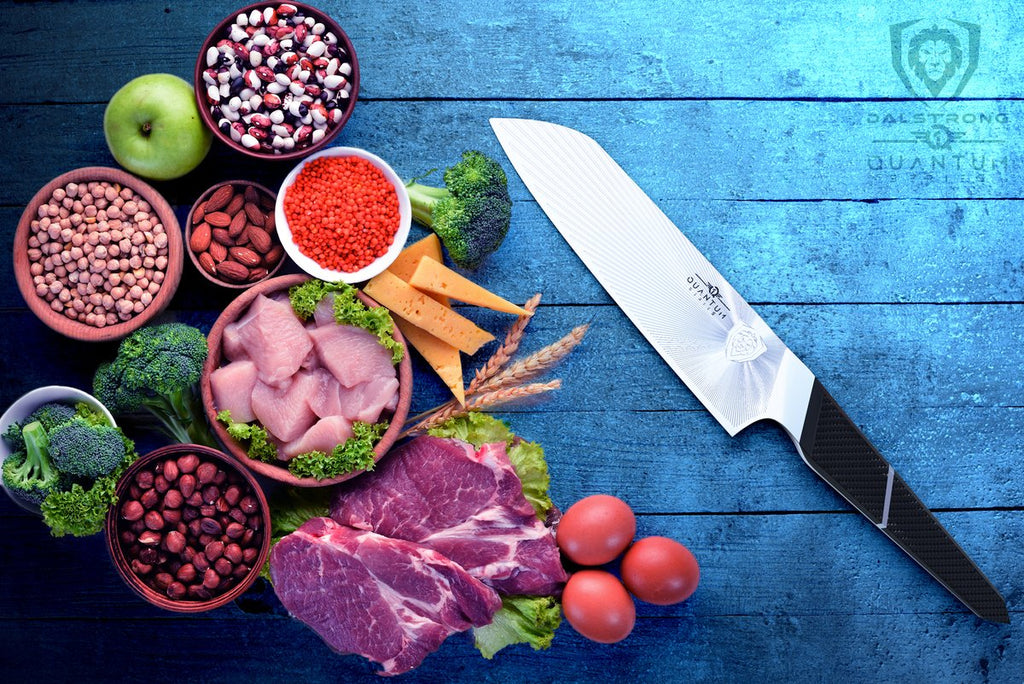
[[282, 391]]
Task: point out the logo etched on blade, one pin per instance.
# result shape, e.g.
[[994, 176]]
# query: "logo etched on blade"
[[744, 344], [708, 295]]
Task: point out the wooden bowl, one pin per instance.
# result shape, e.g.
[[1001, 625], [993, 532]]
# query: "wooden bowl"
[[220, 32], [280, 473], [189, 227], [114, 527], [80, 330]]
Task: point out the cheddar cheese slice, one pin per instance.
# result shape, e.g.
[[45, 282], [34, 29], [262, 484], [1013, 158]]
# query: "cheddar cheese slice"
[[442, 357], [433, 277], [409, 258], [406, 301]]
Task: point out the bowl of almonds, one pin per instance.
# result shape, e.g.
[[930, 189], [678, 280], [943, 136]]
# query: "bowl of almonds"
[[231, 235]]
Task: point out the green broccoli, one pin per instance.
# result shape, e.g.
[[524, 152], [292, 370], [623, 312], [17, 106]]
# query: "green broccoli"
[[14, 438], [82, 449], [52, 414], [471, 213], [30, 475], [157, 368]]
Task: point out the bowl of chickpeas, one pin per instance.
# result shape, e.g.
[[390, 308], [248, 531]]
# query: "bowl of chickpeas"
[[97, 254]]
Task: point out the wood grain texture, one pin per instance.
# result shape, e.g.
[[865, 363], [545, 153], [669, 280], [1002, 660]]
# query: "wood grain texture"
[[540, 48], [877, 231]]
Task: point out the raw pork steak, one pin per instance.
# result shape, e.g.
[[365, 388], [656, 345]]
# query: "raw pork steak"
[[464, 503], [389, 600]]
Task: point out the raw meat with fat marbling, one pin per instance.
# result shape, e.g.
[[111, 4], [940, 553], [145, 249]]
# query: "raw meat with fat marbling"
[[465, 503], [389, 600]]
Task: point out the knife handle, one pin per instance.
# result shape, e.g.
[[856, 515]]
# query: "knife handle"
[[841, 455]]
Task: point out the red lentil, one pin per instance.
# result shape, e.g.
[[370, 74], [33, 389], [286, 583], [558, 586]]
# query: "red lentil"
[[342, 212]]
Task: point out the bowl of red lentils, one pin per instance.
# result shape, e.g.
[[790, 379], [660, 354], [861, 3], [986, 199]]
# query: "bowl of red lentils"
[[97, 254], [276, 80], [343, 214]]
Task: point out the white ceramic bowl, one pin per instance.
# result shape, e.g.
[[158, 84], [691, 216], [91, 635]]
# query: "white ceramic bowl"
[[309, 265], [23, 407]]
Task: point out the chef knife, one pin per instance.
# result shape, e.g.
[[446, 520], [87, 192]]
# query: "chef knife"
[[718, 345]]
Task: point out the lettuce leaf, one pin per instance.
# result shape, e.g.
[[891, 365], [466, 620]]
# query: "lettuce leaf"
[[476, 428], [290, 508], [521, 620]]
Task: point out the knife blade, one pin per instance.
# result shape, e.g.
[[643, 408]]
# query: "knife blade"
[[718, 345]]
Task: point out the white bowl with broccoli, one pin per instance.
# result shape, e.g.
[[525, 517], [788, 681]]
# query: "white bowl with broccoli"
[[31, 403]]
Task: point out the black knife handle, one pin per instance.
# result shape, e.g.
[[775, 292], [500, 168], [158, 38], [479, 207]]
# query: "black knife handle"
[[841, 455]]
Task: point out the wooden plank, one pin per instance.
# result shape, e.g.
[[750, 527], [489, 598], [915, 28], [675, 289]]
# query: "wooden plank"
[[849, 580], [777, 150], [781, 252], [937, 402], [538, 49]]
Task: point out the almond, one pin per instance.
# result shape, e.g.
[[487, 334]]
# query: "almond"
[[271, 223], [220, 198], [235, 205], [260, 239], [199, 212], [267, 202], [222, 236], [273, 255], [208, 264], [237, 225], [250, 194], [218, 219], [245, 256], [232, 270], [256, 216], [200, 239], [218, 251], [257, 274]]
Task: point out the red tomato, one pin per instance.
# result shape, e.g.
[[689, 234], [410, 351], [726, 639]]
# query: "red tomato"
[[595, 530], [598, 607], [660, 570]]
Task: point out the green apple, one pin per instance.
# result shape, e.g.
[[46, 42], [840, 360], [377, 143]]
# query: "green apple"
[[153, 128]]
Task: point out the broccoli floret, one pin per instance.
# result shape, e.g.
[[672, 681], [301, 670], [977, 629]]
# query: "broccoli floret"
[[51, 415], [471, 214], [13, 437], [30, 474], [157, 368], [83, 449]]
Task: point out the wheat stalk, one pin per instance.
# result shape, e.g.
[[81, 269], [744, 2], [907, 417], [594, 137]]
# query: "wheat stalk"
[[480, 402], [537, 363], [507, 349]]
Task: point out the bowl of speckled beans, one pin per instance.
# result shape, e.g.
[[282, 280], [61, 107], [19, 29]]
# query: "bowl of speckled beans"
[[97, 254], [276, 80]]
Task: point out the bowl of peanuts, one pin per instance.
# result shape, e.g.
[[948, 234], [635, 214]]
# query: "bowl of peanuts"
[[231, 237], [97, 254], [191, 528], [343, 214]]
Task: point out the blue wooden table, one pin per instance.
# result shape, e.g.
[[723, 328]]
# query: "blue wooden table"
[[867, 208]]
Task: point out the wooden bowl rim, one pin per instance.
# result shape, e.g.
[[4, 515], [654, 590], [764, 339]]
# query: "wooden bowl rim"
[[213, 361], [188, 235], [117, 553], [172, 275], [200, 87]]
